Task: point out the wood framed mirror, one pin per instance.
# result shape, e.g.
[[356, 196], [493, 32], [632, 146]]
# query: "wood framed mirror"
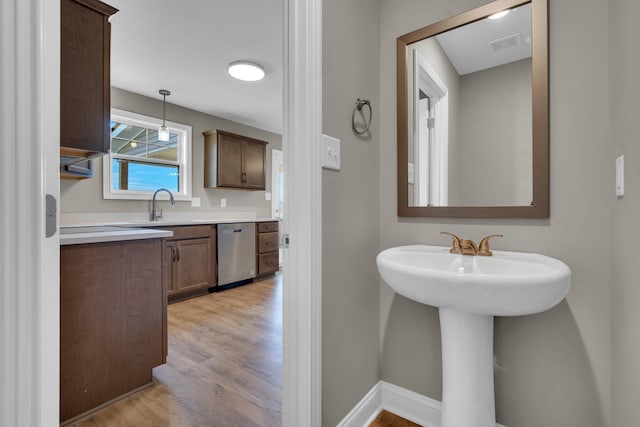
[[473, 114]]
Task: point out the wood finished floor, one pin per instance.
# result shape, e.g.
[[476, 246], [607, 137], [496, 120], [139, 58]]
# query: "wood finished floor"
[[224, 366], [387, 419]]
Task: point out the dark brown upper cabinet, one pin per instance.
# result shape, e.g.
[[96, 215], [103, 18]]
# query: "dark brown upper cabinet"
[[85, 86], [233, 161]]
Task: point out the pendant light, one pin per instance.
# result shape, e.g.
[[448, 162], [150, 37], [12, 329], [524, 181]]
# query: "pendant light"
[[163, 132]]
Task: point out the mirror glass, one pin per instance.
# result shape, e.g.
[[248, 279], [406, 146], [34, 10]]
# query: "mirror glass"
[[468, 108]]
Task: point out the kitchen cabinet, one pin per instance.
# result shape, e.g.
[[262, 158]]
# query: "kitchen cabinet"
[[189, 260], [112, 321], [267, 248], [234, 161], [85, 102]]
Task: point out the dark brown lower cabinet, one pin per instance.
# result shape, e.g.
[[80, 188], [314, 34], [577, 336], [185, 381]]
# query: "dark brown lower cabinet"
[[190, 260], [268, 260], [112, 321]]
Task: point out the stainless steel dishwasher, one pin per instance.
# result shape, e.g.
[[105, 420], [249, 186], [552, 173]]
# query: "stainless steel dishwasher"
[[236, 252]]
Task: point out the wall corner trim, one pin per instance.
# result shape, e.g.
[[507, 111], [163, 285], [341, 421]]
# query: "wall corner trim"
[[405, 403]]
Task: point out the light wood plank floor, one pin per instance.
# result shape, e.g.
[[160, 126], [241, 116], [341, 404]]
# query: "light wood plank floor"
[[224, 366]]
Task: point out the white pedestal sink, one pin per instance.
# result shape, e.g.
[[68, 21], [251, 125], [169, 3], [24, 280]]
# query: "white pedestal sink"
[[469, 291]]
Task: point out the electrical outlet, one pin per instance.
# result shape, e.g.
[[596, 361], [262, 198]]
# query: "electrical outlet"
[[223, 203], [195, 202]]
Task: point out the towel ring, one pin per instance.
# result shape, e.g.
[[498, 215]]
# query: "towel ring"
[[360, 103]]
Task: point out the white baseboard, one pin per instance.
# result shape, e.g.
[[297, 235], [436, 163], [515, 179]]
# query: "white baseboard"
[[397, 400], [366, 410]]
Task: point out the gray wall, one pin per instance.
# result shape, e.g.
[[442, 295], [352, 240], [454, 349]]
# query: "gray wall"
[[554, 367], [494, 141], [624, 59], [350, 222], [85, 196]]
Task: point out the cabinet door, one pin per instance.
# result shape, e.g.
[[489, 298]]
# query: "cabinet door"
[[84, 75], [193, 265], [253, 165], [229, 161]]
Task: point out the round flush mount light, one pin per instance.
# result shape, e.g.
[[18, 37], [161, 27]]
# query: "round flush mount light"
[[500, 14], [246, 71]]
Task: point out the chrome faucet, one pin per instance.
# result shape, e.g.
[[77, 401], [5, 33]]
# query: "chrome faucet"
[[155, 215]]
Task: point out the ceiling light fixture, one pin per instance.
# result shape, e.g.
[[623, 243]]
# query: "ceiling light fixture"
[[163, 132], [246, 71], [500, 14]]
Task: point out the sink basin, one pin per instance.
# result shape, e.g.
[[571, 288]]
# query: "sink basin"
[[505, 284], [469, 291]]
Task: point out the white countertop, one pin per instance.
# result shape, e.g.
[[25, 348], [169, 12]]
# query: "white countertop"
[[142, 219], [95, 228], [81, 235], [173, 222]]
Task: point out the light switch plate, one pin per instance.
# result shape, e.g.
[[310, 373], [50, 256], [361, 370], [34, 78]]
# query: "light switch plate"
[[223, 203], [620, 176], [195, 202], [330, 153], [267, 196]]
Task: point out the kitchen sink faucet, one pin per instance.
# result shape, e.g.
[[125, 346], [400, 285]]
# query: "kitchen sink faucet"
[[155, 215]]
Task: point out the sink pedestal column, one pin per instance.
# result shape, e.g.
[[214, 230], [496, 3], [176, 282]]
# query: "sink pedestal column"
[[467, 369]]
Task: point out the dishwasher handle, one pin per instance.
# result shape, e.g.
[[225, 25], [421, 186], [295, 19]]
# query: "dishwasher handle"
[[232, 230]]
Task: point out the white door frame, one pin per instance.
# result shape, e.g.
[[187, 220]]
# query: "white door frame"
[[302, 273], [29, 290], [436, 154]]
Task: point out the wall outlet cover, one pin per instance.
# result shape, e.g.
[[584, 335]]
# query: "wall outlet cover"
[[267, 196], [223, 203], [195, 202]]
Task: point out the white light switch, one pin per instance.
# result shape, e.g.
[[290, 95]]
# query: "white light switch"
[[267, 196], [620, 176], [330, 153], [223, 203]]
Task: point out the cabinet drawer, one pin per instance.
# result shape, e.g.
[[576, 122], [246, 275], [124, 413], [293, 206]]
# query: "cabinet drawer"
[[267, 227], [268, 263], [267, 242], [188, 231]]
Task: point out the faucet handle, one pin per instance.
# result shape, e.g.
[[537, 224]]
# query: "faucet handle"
[[457, 243], [484, 249]]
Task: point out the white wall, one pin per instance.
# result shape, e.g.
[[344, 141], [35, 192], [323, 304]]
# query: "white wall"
[[85, 196], [554, 366]]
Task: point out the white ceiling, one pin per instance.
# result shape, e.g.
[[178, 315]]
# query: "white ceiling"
[[468, 47], [186, 47]]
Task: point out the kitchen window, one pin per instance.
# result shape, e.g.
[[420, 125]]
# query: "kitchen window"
[[139, 163]]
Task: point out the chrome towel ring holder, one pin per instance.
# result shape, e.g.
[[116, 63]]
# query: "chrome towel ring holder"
[[360, 103]]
